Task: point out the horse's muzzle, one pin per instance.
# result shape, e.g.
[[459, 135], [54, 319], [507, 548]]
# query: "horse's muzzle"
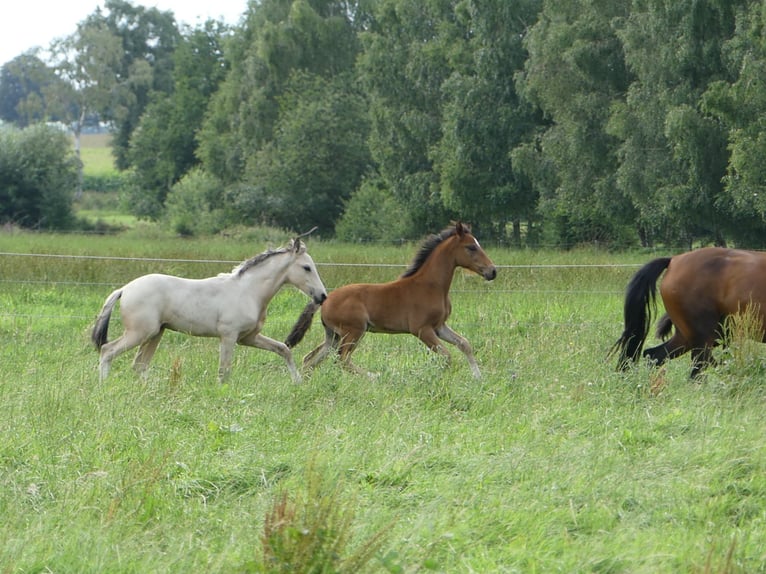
[[319, 299], [490, 273]]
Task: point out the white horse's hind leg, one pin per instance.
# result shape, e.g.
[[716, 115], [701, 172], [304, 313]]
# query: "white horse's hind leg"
[[263, 342], [447, 334], [146, 352], [109, 351]]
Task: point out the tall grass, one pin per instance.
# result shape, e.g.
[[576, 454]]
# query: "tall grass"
[[552, 462]]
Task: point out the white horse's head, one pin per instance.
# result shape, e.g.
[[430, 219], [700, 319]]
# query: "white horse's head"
[[303, 272]]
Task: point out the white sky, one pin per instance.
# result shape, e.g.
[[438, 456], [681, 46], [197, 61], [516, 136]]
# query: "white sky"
[[25, 24]]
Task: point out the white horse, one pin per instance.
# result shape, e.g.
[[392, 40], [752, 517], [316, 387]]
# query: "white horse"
[[231, 306]]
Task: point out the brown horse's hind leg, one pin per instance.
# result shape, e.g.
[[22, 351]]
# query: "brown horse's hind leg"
[[348, 343], [319, 354], [671, 349], [701, 358], [447, 334]]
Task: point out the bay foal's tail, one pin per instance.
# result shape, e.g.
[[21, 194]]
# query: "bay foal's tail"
[[301, 327], [100, 330], [639, 302]]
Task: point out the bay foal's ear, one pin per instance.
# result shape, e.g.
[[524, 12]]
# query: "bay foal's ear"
[[461, 228]]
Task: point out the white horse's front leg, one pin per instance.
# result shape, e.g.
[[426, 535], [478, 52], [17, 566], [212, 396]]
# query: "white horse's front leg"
[[268, 344], [224, 363], [447, 334]]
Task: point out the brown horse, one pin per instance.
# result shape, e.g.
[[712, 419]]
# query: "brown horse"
[[699, 290], [417, 303]]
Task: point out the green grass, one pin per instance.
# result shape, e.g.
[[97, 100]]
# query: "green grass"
[[552, 462], [96, 155]]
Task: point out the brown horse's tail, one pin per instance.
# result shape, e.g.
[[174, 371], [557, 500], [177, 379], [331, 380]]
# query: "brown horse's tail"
[[639, 301], [301, 327], [100, 330]]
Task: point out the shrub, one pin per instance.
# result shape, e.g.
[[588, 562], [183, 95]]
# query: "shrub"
[[193, 204], [38, 177], [373, 214]]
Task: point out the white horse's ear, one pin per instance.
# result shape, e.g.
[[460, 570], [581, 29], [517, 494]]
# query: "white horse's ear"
[[300, 247], [291, 245]]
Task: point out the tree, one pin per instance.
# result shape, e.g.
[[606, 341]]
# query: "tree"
[[164, 145], [277, 38], [84, 63], [403, 67], [739, 105], [148, 39], [575, 74], [24, 82], [38, 175], [673, 158], [317, 158], [484, 118]]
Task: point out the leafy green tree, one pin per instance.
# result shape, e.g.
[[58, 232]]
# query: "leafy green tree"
[[277, 38], [163, 147], [148, 40], [403, 68], [673, 158], [739, 104], [575, 73], [84, 62], [484, 118], [23, 84], [317, 158], [38, 176]]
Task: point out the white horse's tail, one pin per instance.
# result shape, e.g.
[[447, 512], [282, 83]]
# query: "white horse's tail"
[[100, 330]]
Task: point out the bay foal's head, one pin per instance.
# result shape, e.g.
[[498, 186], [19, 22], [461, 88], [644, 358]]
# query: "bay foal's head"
[[469, 254]]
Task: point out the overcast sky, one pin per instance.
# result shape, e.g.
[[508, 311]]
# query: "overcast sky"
[[25, 24]]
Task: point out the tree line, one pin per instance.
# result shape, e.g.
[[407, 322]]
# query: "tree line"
[[627, 122]]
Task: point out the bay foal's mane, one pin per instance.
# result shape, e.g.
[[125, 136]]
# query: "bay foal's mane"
[[427, 248]]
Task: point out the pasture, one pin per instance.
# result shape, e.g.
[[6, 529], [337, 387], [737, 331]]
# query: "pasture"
[[551, 462]]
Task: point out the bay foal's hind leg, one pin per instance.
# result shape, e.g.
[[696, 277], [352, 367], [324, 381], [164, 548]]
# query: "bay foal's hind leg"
[[447, 334], [260, 341], [348, 344], [146, 352], [320, 352]]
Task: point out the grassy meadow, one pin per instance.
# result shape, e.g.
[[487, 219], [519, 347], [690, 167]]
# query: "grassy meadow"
[[552, 462]]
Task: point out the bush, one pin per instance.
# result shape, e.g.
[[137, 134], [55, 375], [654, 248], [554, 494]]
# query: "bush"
[[373, 214], [192, 206], [38, 177]]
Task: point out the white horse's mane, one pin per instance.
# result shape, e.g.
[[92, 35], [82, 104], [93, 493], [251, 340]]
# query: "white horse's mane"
[[248, 264]]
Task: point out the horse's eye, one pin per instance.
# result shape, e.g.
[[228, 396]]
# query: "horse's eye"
[[307, 268], [472, 248]]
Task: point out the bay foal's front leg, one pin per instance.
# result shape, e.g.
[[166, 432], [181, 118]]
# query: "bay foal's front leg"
[[268, 344], [447, 334]]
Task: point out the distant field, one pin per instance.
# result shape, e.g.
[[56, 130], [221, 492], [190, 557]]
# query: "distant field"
[[96, 154]]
